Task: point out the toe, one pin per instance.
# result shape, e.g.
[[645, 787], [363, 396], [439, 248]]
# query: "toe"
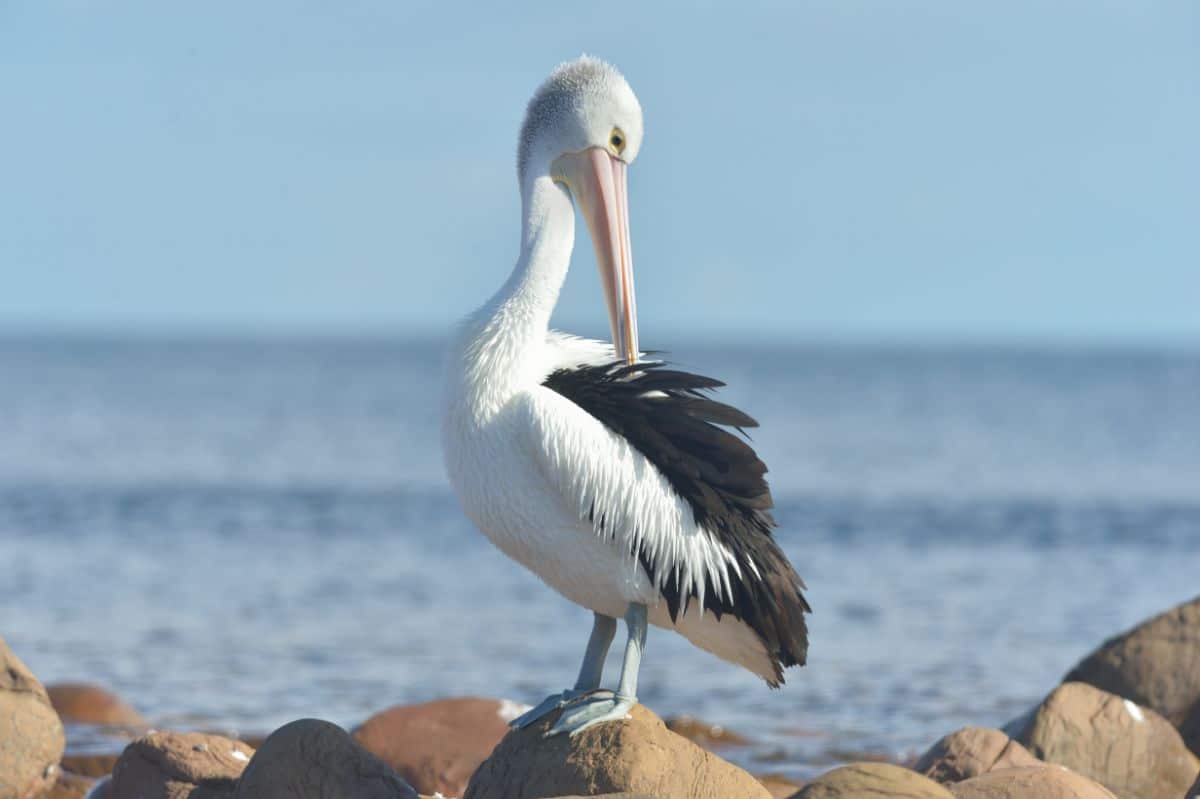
[[548, 704], [619, 712], [589, 712]]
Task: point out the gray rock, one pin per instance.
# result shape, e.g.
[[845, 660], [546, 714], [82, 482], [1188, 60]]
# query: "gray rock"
[[1157, 665], [314, 759], [970, 752], [1131, 750]]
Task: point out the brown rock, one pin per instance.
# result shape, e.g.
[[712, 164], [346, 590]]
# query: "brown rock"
[[70, 786], [710, 736], [1157, 665], [90, 765], [437, 746], [314, 759], [172, 765], [1194, 793], [83, 703], [1031, 782], [31, 736], [637, 755], [875, 780], [778, 786], [970, 752], [1132, 751]]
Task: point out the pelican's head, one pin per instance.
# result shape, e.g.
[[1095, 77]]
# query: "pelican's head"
[[583, 128]]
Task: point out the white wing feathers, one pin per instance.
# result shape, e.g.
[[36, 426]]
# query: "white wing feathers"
[[564, 351], [605, 483]]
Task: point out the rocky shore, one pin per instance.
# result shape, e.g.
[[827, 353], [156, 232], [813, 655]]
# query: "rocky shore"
[[1124, 723]]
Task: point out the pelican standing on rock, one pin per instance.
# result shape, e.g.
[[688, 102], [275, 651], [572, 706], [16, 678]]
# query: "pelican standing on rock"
[[605, 475]]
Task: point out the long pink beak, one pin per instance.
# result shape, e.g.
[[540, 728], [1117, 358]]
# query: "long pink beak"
[[598, 182]]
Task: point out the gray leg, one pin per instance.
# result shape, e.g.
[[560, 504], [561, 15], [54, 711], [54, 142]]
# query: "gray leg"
[[603, 629], [598, 708], [592, 669]]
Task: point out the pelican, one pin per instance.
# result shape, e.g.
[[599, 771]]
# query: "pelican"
[[609, 476]]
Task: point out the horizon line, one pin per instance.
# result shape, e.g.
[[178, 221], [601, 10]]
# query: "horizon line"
[[709, 338]]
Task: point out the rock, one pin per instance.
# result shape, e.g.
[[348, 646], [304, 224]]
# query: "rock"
[[970, 752], [1190, 730], [779, 787], [1194, 793], [172, 765], [314, 759], [100, 789], [1157, 665], [710, 736], [637, 755], [437, 746], [1132, 751], [70, 786], [874, 780], [90, 765], [1030, 782], [83, 703], [31, 735]]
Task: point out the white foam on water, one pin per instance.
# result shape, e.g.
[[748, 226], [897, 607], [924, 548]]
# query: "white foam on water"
[[238, 754], [509, 709]]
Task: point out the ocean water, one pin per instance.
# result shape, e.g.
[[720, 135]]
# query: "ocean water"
[[236, 533]]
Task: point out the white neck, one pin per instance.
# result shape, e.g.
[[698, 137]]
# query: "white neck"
[[499, 348]]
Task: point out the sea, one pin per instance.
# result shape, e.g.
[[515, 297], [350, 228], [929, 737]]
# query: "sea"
[[232, 533]]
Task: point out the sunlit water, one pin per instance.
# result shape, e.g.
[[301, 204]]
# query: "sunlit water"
[[235, 534]]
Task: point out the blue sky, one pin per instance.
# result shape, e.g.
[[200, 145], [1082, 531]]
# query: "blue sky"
[[859, 170]]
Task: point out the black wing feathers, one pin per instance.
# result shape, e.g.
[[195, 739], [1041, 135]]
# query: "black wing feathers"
[[665, 415]]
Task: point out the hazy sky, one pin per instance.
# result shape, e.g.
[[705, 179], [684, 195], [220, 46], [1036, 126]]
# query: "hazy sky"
[[873, 170]]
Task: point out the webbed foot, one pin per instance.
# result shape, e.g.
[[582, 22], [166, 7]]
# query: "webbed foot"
[[548, 705], [587, 711]]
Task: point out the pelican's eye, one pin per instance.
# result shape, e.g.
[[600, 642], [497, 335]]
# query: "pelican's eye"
[[616, 140]]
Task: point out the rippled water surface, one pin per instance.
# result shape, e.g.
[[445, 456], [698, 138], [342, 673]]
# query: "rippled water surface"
[[234, 534]]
